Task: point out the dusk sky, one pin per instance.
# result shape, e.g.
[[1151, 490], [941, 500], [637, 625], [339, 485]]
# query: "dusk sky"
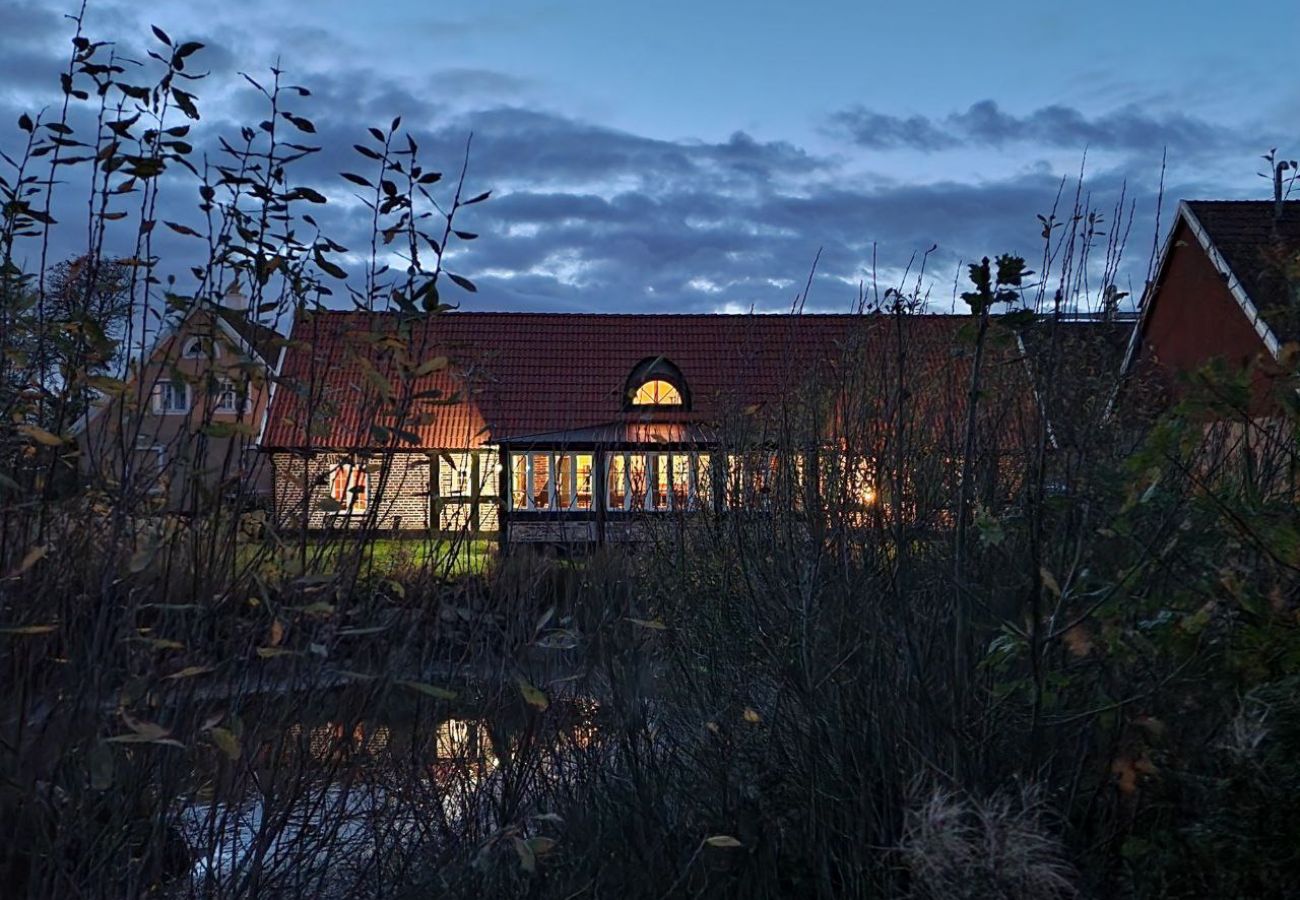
[[694, 156]]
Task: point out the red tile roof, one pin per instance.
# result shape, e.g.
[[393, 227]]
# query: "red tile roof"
[[520, 374]]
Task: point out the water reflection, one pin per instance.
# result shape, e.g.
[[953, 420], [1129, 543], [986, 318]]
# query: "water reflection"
[[324, 791]]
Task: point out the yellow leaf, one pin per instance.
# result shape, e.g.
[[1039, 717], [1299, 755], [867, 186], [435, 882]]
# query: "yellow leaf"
[[433, 365], [189, 672], [277, 632], [40, 435], [532, 696], [272, 652], [541, 845], [226, 741], [319, 608], [656, 624], [141, 730], [29, 629], [429, 689], [1049, 581], [722, 840], [34, 555], [527, 860], [1077, 640], [751, 716]]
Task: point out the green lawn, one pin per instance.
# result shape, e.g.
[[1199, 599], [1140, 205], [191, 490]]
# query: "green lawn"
[[381, 556]]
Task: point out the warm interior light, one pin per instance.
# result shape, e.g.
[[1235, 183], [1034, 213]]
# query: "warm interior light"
[[657, 393]]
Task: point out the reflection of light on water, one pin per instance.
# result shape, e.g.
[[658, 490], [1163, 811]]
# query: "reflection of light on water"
[[465, 746], [583, 733], [327, 741]]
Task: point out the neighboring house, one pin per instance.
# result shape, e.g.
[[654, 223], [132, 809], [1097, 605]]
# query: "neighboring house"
[[185, 425], [1224, 289], [546, 427], [1224, 294]]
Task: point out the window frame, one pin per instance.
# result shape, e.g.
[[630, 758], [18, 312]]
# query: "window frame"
[[239, 400], [188, 350], [672, 397], [160, 390], [648, 371], [354, 502]]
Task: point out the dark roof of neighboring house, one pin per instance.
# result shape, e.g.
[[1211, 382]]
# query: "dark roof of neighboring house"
[[265, 341], [518, 375], [1259, 246]]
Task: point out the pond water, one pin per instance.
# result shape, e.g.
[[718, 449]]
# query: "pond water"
[[331, 804]]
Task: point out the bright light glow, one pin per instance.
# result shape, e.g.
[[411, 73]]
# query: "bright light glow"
[[657, 393]]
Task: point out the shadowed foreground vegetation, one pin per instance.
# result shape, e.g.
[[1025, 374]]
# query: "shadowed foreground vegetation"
[[1040, 670]]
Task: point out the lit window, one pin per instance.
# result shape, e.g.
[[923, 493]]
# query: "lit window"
[[453, 479], [582, 497], [348, 487], [657, 393], [533, 489], [615, 479], [171, 397]]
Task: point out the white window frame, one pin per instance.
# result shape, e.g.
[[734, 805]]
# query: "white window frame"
[[227, 387], [192, 342], [162, 387]]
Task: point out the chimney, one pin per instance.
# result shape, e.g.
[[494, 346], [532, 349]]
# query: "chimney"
[[234, 297]]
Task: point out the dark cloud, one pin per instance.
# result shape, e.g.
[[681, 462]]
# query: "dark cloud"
[[588, 217], [985, 123]]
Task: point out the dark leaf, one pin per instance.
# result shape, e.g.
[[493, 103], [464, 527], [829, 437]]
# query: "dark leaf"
[[300, 123], [161, 35], [463, 282]]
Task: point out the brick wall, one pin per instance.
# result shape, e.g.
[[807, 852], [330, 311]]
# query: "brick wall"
[[415, 483]]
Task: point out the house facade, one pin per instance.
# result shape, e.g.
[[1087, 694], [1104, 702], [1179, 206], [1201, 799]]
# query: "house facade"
[[185, 425], [1225, 295], [538, 427], [1224, 289]]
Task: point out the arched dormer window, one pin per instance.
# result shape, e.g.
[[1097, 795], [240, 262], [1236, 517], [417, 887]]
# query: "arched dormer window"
[[656, 383], [199, 348]]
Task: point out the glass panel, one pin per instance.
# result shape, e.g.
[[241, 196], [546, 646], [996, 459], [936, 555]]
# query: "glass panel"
[[662, 465], [519, 481], [862, 485], [657, 393], [735, 481], [348, 486], [636, 467], [614, 472], [454, 475], [541, 480], [703, 481], [584, 480], [680, 481], [489, 470], [563, 479]]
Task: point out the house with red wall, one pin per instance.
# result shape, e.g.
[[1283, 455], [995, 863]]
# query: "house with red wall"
[[1224, 290], [1224, 304]]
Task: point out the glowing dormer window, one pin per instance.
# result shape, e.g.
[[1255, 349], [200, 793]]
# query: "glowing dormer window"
[[656, 382], [657, 393]]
